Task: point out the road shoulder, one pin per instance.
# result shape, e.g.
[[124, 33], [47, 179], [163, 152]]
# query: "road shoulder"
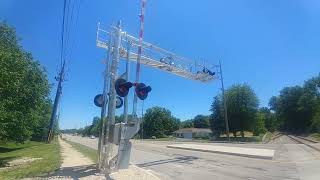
[[133, 173]]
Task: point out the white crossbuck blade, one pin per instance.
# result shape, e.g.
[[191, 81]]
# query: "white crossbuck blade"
[[167, 62]]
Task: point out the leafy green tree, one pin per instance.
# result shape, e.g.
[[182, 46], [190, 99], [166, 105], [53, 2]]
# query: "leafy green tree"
[[70, 131], [242, 106], [297, 108], [120, 118], [187, 124], [159, 122], [273, 103], [290, 116], [201, 121], [96, 126], [24, 91], [216, 121], [40, 130], [315, 126], [270, 121], [259, 124], [309, 103]]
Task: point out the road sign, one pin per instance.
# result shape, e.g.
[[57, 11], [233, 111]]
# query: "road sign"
[[119, 102], [98, 100]]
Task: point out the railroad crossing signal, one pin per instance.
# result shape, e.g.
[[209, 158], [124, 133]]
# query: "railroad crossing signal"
[[121, 45], [142, 91], [122, 88], [98, 101]]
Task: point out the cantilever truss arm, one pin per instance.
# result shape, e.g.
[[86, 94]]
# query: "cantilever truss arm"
[[175, 64]]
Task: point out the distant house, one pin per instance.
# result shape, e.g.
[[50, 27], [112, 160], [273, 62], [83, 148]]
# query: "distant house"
[[190, 133]]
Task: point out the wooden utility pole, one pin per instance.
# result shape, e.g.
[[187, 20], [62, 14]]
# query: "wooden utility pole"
[[56, 103], [224, 102]]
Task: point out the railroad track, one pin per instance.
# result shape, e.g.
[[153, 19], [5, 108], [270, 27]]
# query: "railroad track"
[[305, 141], [275, 136]]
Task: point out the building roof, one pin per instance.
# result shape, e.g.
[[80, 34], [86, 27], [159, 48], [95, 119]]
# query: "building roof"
[[192, 130]]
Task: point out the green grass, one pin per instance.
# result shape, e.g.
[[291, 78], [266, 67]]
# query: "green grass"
[[267, 136], [240, 139], [48, 152], [248, 137], [315, 136], [85, 150], [165, 139]]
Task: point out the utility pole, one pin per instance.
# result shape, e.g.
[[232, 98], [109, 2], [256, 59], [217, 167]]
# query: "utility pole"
[[224, 103], [60, 79], [56, 103]]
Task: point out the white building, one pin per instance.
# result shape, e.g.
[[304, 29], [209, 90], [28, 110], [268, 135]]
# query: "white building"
[[190, 133]]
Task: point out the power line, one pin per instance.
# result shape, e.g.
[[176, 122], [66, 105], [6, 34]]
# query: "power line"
[[59, 78], [62, 33], [66, 26], [69, 27], [68, 23], [74, 43]]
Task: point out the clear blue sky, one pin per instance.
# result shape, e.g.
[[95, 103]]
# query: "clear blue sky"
[[268, 44]]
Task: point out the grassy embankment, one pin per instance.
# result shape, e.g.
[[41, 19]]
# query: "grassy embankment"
[[85, 150], [248, 137], [49, 162], [315, 136]]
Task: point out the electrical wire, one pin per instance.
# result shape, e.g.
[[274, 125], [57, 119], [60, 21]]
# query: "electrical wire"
[[62, 33], [74, 42], [68, 28]]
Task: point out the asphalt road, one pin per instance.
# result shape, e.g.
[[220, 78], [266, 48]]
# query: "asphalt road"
[[292, 161]]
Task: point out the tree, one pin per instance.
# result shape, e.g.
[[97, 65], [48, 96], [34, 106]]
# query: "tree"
[[24, 91], [201, 121], [290, 116], [187, 124], [69, 131], [96, 126], [270, 121], [315, 126], [159, 122], [297, 108], [120, 118], [309, 103], [259, 124], [273, 103], [40, 129], [216, 121], [242, 106]]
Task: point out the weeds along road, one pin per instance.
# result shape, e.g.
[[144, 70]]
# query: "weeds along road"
[[184, 164]]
